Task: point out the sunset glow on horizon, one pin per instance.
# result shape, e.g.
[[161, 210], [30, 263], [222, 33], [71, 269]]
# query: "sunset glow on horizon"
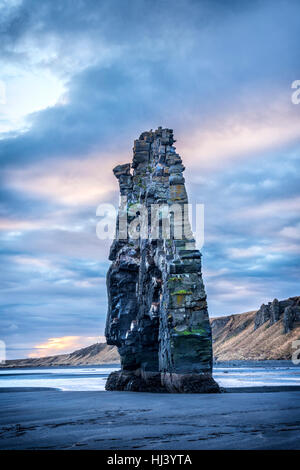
[[64, 345]]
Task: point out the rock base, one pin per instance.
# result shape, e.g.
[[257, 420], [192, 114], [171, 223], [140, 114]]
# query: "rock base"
[[133, 381], [155, 382], [189, 383]]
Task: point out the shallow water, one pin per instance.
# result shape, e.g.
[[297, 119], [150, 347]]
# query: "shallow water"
[[84, 378], [64, 378], [257, 376]]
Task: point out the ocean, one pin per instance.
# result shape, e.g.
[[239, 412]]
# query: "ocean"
[[83, 378]]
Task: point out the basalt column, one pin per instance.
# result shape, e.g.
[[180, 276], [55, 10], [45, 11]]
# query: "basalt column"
[[157, 313]]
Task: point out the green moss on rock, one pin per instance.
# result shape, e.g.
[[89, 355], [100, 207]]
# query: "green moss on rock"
[[182, 292]]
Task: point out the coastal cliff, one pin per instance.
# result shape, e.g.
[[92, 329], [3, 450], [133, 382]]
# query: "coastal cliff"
[[264, 334]]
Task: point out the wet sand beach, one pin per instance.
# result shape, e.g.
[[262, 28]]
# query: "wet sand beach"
[[248, 418]]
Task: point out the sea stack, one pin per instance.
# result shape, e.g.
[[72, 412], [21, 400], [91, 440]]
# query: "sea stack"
[[157, 309]]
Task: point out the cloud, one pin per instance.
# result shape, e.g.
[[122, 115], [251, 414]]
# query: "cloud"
[[39, 263], [140, 82], [237, 135], [64, 345], [17, 225], [282, 209], [249, 252], [37, 91], [292, 232], [71, 183], [262, 251], [83, 80]]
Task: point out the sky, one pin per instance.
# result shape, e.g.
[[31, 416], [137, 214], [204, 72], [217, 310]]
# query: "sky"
[[79, 81]]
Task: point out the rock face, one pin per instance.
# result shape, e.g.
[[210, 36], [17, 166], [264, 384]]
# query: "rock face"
[[236, 338], [157, 314], [288, 310]]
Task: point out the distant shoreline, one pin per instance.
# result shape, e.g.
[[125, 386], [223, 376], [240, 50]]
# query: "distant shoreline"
[[233, 363], [254, 389]]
